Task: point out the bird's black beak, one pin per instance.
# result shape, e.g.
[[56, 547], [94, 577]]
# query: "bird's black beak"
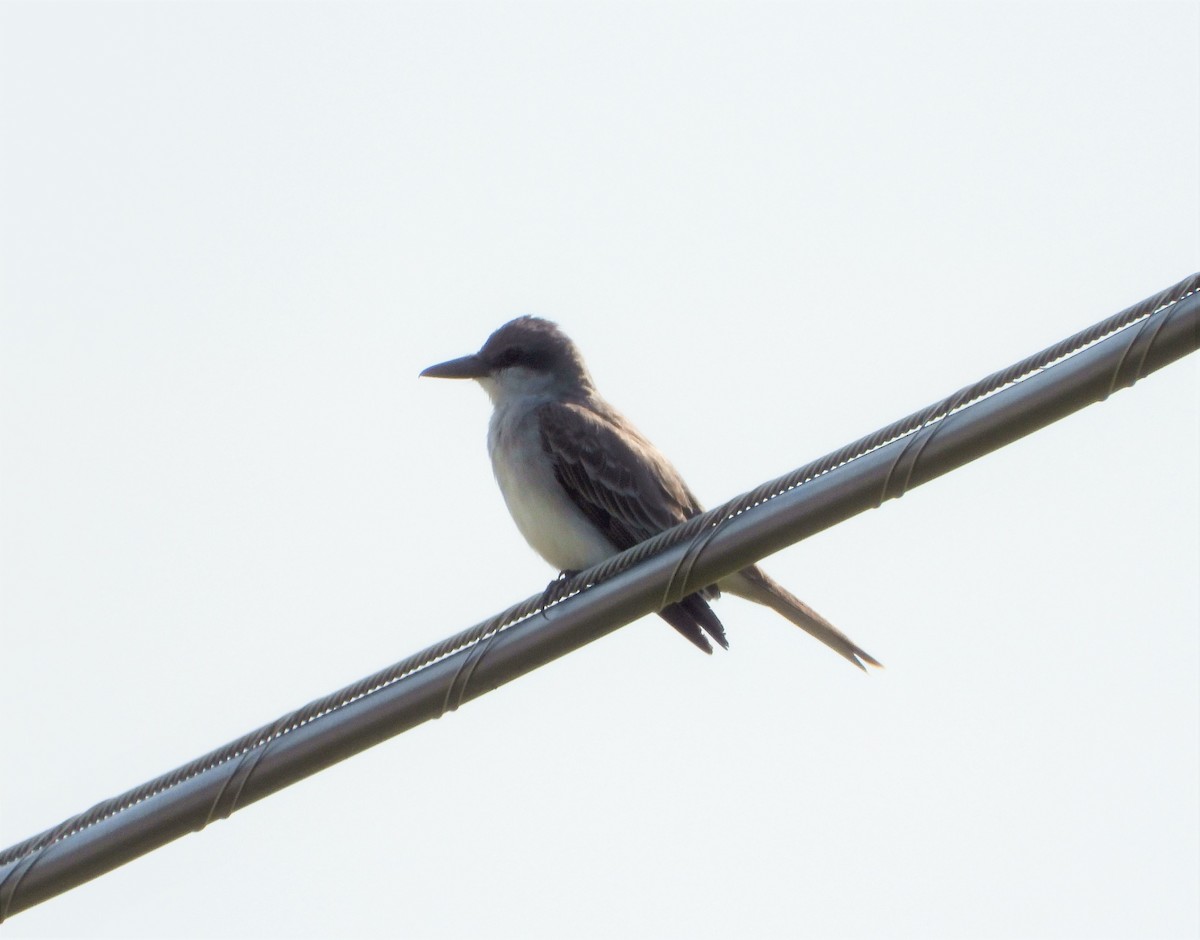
[[468, 367]]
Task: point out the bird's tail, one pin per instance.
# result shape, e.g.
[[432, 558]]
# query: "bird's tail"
[[754, 585]]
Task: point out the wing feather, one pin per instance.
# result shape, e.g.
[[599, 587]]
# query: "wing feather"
[[628, 491]]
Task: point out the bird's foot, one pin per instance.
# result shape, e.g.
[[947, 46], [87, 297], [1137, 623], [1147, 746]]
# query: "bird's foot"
[[555, 590]]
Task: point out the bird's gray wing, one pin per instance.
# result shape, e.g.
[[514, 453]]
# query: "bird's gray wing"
[[628, 490]]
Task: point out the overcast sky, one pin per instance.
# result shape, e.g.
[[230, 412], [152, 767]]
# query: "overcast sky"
[[233, 234]]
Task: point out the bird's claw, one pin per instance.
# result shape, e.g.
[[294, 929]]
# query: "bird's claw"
[[554, 590]]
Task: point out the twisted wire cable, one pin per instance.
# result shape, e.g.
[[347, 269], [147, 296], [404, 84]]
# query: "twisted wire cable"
[[250, 747]]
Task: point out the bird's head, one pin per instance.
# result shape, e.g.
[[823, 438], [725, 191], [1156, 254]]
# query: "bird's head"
[[527, 356]]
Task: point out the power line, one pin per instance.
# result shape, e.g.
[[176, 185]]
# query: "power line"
[[982, 417]]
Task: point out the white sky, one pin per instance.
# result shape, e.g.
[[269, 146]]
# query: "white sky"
[[232, 236]]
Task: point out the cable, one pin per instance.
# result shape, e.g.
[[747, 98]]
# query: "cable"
[[879, 466]]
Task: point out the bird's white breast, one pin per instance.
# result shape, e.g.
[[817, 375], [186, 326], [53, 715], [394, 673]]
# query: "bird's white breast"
[[545, 515]]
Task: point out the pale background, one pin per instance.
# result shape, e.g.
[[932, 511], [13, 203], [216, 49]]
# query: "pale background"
[[232, 236]]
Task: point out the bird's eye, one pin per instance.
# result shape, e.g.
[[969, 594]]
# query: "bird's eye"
[[509, 357]]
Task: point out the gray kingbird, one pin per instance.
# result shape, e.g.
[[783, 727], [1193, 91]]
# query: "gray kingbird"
[[582, 484]]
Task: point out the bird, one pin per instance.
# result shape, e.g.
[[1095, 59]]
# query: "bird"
[[582, 483]]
